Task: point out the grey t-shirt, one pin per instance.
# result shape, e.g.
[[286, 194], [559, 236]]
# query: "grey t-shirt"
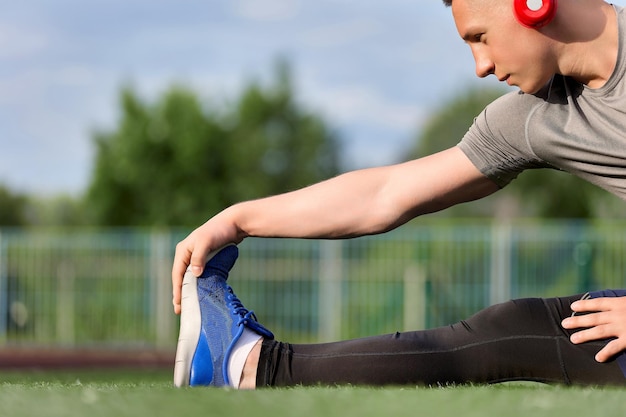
[[565, 126]]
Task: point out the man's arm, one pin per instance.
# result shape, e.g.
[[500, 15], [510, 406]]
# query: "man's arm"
[[357, 203]]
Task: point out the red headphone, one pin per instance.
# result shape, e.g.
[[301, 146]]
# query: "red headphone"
[[535, 13]]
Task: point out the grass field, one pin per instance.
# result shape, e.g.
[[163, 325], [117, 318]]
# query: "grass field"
[[150, 394]]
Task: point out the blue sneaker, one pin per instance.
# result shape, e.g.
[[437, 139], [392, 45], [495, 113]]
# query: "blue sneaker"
[[212, 320]]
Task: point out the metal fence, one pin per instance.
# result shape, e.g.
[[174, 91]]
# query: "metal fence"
[[82, 288]]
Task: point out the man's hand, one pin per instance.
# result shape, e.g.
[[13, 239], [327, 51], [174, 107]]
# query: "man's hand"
[[194, 249], [606, 319]]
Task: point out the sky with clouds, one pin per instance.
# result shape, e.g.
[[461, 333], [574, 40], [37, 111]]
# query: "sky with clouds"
[[374, 69]]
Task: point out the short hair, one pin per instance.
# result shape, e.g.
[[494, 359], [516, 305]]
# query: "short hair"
[[448, 3]]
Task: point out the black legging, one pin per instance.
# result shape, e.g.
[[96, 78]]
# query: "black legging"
[[517, 340]]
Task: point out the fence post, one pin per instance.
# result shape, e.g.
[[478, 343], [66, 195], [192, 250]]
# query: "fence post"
[[65, 303], [501, 245], [583, 257], [414, 298], [330, 297], [4, 297], [160, 268]]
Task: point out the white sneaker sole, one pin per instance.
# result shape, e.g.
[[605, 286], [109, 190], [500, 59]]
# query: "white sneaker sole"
[[190, 326], [189, 334]]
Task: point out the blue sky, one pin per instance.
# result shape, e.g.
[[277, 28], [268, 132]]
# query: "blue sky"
[[374, 69]]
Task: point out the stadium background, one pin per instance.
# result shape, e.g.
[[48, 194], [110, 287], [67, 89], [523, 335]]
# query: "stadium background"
[[102, 297]]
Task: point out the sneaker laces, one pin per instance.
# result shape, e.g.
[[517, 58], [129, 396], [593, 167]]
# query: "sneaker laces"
[[246, 317], [237, 308]]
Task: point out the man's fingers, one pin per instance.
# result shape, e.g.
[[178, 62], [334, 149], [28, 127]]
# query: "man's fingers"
[[579, 322], [197, 261], [593, 304], [587, 335], [189, 252], [181, 261], [610, 350], [603, 332]]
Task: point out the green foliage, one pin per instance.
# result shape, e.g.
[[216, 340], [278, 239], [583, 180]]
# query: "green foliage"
[[19, 210], [557, 194], [173, 163], [275, 145], [445, 128], [449, 123], [12, 208], [162, 164], [56, 210]]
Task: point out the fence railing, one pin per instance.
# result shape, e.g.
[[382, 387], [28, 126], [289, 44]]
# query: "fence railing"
[[112, 287]]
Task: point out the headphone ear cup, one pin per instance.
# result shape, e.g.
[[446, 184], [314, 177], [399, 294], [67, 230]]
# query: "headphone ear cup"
[[534, 13]]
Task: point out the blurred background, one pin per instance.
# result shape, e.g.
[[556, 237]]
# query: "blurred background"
[[124, 125]]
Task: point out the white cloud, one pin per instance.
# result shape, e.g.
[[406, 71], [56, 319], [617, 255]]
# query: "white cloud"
[[359, 104], [342, 33], [18, 43], [267, 10], [75, 75]]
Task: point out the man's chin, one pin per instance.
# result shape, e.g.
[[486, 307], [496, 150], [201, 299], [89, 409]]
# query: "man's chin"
[[532, 88], [528, 90]]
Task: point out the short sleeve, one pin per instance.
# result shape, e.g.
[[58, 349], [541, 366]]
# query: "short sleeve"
[[496, 142]]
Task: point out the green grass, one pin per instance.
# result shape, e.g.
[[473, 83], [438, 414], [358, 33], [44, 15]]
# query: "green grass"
[[150, 394]]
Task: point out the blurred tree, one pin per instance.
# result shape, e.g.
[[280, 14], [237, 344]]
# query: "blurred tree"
[[554, 194], [275, 145], [163, 163], [12, 208], [448, 124], [56, 210], [173, 164]]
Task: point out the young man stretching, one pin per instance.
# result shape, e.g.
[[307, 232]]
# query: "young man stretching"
[[569, 62]]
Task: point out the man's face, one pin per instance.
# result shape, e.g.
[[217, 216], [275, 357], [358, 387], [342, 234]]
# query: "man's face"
[[501, 46]]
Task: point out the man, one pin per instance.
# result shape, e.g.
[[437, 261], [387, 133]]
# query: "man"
[[568, 61]]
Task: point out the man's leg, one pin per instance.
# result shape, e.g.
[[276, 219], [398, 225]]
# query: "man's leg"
[[517, 340], [249, 373]]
